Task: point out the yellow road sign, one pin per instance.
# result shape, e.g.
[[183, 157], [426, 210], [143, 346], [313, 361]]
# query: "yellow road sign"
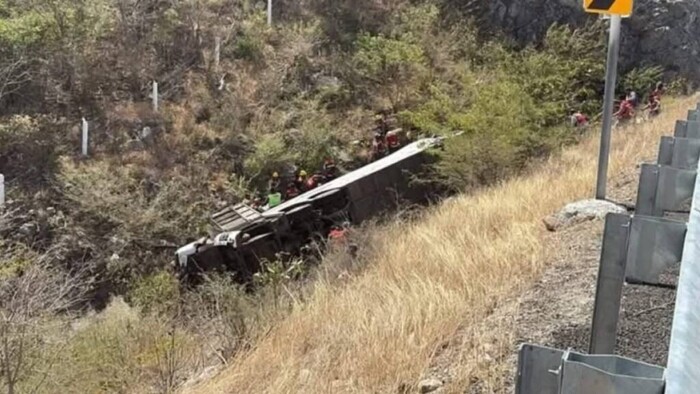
[[610, 7]]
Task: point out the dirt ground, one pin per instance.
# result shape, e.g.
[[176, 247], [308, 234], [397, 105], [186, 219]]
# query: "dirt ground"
[[557, 310]]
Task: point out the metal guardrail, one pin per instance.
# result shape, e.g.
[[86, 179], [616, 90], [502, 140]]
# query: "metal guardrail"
[[638, 249], [683, 373]]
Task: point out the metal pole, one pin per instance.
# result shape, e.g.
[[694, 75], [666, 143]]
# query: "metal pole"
[[610, 79], [683, 374], [85, 138], [2, 189], [269, 12]]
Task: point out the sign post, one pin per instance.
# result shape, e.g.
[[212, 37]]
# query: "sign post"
[[615, 9], [609, 98]]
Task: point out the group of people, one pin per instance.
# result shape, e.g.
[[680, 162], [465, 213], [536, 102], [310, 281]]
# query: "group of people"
[[385, 141], [630, 102], [628, 105], [281, 189]]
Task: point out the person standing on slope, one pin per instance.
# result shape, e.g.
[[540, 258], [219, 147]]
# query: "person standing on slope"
[[633, 99], [578, 119], [625, 111]]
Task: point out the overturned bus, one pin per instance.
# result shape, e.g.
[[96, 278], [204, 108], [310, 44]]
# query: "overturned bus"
[[241, 237]]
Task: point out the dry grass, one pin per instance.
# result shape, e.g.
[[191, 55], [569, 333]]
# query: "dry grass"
[[380, 331]]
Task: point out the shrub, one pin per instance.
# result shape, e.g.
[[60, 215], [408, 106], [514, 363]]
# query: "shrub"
[[642, 80], [155, 293]]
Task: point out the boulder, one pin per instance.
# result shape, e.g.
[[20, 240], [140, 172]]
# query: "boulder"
[[429, 385], [581, 211]]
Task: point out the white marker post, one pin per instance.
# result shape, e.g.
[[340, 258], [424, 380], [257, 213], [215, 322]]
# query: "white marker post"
[[217, 53], [269, 12], [85, 138], [155, 96], [2, 189]]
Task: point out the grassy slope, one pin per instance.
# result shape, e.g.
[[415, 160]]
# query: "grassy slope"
[[432, 278]]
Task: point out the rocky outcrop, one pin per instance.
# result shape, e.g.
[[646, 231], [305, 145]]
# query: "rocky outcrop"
[[581, 211], [663, 32]]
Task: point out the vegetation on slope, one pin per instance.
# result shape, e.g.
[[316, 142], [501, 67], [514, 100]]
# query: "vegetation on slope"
[[431, 278], [285, 95]]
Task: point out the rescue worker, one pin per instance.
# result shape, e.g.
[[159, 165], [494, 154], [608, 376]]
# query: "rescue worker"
[[274, 199], [258, 201], [315, 181], [378, 147], [578, 119], [625, 111], [292, 191], [653, 105], [633, 99], [301, 179], [381, 123], [658, 91], [274, 184], [392, 141], [337, 233], [329, 169]]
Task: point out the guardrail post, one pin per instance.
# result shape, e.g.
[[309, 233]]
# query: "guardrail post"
[[611, 278]]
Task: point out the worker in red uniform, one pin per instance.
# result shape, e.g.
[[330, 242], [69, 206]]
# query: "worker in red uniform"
[[337, 233], [315, 181], [578, 119], [653, 105], [658, 91], [625, 111], [392, 141], [292, 191]]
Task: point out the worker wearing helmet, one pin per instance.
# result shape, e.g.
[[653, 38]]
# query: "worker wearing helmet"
[[330, 171], [274, 185], [301, 179]]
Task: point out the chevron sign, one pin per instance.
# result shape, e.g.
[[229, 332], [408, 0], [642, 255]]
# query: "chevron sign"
[[609, 7]]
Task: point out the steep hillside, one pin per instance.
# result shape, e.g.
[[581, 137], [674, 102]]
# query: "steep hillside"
[[431, 286], [87, 241]]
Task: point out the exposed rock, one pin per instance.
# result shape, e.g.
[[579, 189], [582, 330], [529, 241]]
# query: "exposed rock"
[[581, 211], [660, 32], [29, 229], [429, 385]]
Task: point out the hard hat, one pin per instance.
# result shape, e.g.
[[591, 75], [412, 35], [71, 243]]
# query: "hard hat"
[[275, 174], [303, 173]]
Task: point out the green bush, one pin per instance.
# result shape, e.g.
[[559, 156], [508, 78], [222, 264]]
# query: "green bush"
[[642, 80], [155, 293]]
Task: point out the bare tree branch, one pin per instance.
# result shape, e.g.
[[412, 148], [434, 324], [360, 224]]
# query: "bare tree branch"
[[29, 301]]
